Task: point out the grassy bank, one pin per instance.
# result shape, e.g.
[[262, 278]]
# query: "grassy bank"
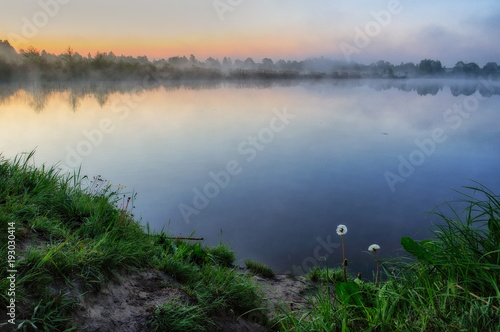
[[447, 283], [73, 235]]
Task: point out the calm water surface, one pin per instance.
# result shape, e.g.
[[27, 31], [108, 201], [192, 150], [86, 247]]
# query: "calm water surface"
[[272, 168]]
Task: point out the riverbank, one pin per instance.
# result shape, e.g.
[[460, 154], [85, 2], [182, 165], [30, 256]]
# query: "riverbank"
[[81, 261]]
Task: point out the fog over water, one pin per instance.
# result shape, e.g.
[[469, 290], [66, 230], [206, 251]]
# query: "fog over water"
[[275, 165]]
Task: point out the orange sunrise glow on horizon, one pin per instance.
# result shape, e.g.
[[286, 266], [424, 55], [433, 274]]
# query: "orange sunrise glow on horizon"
[[365, 31]]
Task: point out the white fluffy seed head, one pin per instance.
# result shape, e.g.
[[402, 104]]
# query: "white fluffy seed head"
[[341, 229]]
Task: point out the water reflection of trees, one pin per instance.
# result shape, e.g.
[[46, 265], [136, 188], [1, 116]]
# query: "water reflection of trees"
[[37, 95], [7, 91], [467, 90], [38, 100], [432, 87]]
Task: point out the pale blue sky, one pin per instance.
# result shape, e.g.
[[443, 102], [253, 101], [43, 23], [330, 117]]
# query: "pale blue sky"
[[291, 29]]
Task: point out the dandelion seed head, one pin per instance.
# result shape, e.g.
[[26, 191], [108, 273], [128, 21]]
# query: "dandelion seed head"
[[341, 229], [374, 247]]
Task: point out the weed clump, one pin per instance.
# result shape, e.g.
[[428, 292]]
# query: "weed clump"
[[259, 268], [175, 316], [324, 275], [222, 255]]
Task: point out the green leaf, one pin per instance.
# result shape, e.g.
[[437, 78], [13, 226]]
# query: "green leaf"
[[371, 314], [348, 293], [416, 249]]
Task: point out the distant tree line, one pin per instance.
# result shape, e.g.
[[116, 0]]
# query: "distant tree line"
[[30, 64]]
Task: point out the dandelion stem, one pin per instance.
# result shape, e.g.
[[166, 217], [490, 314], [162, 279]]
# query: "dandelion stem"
[[343, 256]]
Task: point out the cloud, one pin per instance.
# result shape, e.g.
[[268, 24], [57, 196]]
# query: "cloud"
[[489, 21], [278, 29], [433, 39], [450, 46]]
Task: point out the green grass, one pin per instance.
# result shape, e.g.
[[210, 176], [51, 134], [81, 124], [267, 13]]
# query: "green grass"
[[74, 234], [222, 255], [222, 288], [449, 282], [77, 233], [324, 274], [258, 268], [178, 317]]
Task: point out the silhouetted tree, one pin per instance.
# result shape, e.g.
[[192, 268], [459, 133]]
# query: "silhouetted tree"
[[459, 66], [429, 67], [69, 61], [70, 64], [406, 69], [382, 69], [212, 63], [472, 68], [295, 65], [32, 56], [143, 59], [178, 61], [99, 61], [490, 68], [7, 52], [280, 64], [227, 63], [249, 63], [68, 54], [466, 68], [5, 71], [267, 64], [238, 63], [193, 60], [110, 56]]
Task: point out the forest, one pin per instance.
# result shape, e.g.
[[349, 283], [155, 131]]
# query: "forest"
[[32, 64]]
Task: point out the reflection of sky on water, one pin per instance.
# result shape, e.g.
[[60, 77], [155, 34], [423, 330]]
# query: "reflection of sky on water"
[[326, 167]]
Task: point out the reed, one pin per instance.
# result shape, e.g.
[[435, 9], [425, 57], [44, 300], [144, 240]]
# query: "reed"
[[258, 268]]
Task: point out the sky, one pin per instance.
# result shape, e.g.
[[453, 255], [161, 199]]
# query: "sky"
[[363, 31]]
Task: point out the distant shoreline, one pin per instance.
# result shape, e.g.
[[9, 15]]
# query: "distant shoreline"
[[32, 64], [234, 76], [422, 85]]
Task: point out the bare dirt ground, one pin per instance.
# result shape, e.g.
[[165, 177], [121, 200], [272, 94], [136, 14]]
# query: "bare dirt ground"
[[284, 290], [128, 303]]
